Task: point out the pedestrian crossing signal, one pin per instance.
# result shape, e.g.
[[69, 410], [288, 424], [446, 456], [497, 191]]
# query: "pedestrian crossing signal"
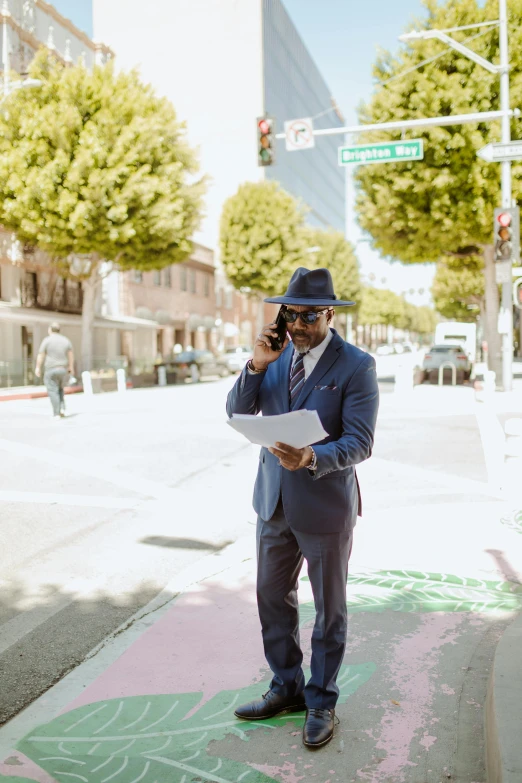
[[507, 234], [265, 141]]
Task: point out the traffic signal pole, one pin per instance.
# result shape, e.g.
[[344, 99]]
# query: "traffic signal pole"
[[506, 307]]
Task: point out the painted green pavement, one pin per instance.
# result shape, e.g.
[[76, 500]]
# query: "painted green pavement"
[[166, 738], [417, 591], [157, 738]]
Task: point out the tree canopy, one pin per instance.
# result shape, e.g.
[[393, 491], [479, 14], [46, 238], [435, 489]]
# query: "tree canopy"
[[336, 254], [93, 162], [458, 288], [420, 211], [381, 306], [261, 237]]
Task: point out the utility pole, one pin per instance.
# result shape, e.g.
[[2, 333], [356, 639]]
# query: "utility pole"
[[506, 307]]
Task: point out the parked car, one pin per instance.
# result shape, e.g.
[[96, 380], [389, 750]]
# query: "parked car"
[[195, 365], [446, 354], [236, 358]]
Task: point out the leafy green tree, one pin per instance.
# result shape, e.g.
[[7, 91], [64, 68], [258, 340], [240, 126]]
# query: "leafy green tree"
[[418, 212], [336, 254], [458, 288], [422, 320], [380, 306], [261, 238], [94, 166]]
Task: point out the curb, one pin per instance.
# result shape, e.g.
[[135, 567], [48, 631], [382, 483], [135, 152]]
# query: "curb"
[[503, 709], [33, 395]]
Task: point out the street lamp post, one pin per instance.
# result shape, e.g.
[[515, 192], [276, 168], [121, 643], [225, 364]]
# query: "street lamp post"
[[506, 310]]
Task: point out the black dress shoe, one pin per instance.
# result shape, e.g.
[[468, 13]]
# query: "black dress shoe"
[[318, 728], [269, 705]]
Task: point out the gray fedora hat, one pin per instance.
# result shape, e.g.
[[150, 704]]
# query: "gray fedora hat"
[[310, 287]]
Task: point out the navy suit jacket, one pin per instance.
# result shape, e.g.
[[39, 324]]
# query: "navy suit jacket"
[[343, 389]]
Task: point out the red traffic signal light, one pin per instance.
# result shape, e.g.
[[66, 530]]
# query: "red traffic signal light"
[[504, 218], [265, 141], [506, 234]]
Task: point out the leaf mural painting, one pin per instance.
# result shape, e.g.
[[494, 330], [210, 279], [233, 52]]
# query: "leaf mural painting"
[[158, 738], [419, 591]]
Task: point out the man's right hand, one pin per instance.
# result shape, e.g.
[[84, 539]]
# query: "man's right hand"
[[263, 353]]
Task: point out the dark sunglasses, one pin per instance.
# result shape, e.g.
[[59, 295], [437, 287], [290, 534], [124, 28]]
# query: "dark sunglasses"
[[309, 317]]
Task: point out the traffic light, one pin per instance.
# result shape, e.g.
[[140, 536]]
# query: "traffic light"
[[506, 234], [265, 141], [517, 293]]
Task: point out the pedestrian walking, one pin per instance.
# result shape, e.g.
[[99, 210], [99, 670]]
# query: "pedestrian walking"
[[307, 500], [56, 357]]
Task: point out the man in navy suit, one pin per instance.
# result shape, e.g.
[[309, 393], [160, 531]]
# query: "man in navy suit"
[[307, 500]]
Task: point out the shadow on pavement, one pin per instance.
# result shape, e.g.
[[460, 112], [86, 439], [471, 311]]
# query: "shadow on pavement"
[[183, 543], [65, 628]]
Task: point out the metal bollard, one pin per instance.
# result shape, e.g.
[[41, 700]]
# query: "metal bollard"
[[87, 382], [453, 373], [121, 380], [162, 376]]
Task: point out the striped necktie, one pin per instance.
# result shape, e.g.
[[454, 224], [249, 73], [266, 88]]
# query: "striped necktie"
[[297, 377]]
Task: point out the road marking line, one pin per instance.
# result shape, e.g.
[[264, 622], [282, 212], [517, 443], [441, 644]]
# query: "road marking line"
[[60, 499]]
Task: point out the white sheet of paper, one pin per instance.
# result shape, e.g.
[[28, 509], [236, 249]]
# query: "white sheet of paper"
[[298, 428]]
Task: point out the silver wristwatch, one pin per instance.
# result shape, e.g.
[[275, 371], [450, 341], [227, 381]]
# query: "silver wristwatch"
[[313, 465]]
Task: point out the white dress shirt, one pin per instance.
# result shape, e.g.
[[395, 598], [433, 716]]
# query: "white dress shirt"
[[313, 356]]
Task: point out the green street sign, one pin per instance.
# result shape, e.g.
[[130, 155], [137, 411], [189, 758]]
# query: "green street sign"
[[388, 152]]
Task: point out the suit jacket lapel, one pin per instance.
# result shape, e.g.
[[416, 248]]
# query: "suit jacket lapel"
[[284, 375], [330, 356]]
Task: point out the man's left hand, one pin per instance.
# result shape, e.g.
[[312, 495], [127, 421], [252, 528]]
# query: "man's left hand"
[[37, 372], [290, 458]]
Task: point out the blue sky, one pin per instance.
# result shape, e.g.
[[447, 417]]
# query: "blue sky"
[[343, 38], [78, 11]]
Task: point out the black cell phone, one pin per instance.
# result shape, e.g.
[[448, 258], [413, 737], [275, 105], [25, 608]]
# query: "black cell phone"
[[278, 342]]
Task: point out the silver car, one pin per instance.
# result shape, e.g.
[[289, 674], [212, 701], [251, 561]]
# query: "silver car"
[[446, 354], [236, 358]]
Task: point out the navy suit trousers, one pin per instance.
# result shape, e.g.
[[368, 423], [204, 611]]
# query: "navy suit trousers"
[[280, 554]]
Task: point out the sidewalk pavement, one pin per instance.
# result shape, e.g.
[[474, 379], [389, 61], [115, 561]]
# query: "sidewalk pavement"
[[433, 589], [155, 702]]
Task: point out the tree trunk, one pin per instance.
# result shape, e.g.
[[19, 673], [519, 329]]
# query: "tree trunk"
[[90, 287], [493, 338]]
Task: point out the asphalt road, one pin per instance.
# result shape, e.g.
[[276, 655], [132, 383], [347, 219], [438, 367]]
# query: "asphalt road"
[[101, 510]]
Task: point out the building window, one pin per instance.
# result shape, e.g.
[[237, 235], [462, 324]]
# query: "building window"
[[156, 279], [206, 285], [167, 278], [137, 277], [183, 278], [228, 299], [192, 281]]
